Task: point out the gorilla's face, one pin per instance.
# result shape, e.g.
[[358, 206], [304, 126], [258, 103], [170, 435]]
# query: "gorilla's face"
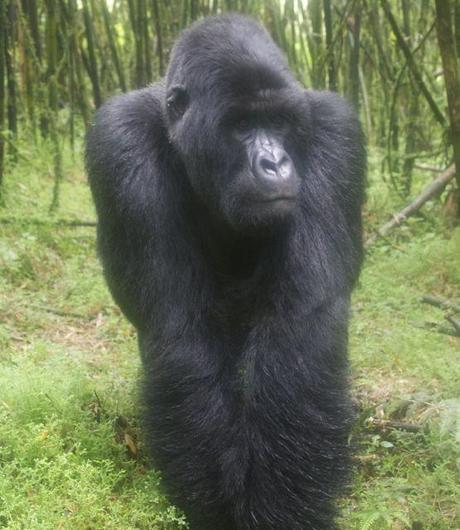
[[240, 125], [242, 160]]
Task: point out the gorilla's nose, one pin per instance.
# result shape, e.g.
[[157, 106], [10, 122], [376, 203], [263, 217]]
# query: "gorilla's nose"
[[274, 165]]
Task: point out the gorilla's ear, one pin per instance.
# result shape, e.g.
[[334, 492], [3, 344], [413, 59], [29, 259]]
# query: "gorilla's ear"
[[176, 101]]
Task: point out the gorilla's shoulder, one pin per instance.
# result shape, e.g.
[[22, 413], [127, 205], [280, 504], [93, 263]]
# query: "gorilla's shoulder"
[[139, 110], [339, 141], [332, 111], [126, 130]]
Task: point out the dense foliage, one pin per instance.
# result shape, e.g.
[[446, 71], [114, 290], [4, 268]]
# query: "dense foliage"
[[62, 58]]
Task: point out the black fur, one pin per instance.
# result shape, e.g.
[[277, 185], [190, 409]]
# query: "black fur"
[[241, 307]]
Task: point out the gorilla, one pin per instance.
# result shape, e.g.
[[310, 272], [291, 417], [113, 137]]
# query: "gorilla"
[[229, 227]]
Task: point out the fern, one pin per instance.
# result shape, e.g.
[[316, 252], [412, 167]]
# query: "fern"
[[369, 523]]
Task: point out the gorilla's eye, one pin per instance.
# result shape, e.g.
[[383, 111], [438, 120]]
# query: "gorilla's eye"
[[243, 125], [177, 101], [278, 122]]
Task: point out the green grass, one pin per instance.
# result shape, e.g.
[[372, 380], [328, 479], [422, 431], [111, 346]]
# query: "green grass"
[[411, 375], [71, 454]]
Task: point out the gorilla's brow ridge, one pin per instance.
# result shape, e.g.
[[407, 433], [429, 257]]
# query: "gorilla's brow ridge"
[[282, 101]]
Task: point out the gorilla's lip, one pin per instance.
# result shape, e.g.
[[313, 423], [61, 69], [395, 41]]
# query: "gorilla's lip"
[[278, 198]]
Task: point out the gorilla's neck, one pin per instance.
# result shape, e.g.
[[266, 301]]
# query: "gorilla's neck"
[[234, 255], [237, 267]]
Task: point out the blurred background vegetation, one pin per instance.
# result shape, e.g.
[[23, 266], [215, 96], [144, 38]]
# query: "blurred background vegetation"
[[396, 61], [71, 452]]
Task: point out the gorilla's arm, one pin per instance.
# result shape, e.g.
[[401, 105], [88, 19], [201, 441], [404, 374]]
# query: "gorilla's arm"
[[339, 146], [334, 173], [124, 158]]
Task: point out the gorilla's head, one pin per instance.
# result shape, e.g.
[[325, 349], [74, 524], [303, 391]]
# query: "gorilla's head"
[[238, 120]]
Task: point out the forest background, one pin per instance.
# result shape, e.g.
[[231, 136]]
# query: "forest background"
[[71, 453]]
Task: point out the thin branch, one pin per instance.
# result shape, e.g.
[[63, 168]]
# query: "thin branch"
[[424, 167], [455, 323], [438, 328], [389, 424], [65, 314], [433, 189], [441, 303]]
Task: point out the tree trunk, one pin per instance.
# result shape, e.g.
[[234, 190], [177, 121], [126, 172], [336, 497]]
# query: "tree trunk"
[[157, 22], [133, 17], [354, 26], [92, 63], [315, 43], [113, 47], [2, 91], [445, 31], [332, 74], [52, 55], [411, 95], [10, 53]]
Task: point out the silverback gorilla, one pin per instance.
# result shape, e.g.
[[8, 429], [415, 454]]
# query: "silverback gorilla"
[[229, 200]]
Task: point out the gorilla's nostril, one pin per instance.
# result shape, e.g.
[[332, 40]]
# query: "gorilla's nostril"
[[268, 166], [285, 167], [273, 167], [279, 168]]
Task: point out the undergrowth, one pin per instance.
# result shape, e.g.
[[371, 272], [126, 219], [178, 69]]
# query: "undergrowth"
[[71, 453]]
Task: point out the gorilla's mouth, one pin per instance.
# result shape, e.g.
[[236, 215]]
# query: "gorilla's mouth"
[[280, 198], [277, 199]]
